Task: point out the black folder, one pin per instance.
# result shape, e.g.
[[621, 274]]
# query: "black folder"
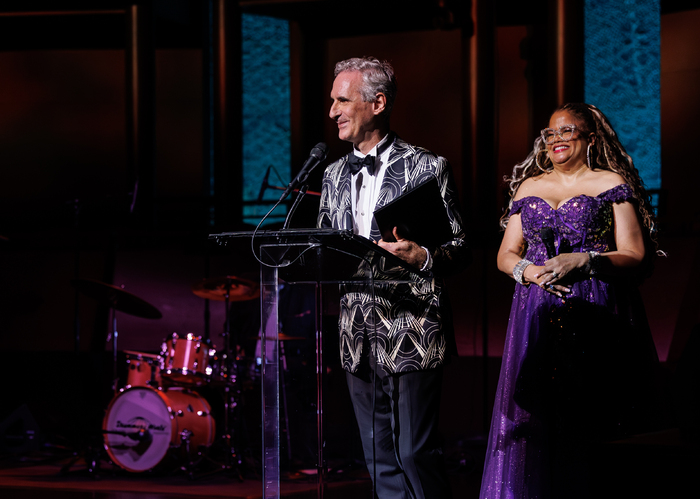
[[418, 214]]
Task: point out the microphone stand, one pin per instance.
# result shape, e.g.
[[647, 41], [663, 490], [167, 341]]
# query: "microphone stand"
[[295, 205], [318, 154]]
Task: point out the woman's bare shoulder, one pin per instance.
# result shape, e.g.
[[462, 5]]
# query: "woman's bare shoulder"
[[605, 180], [529, 187]]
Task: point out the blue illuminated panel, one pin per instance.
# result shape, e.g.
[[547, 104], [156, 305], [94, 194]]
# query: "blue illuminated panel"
[[623, 76], [266, 111]]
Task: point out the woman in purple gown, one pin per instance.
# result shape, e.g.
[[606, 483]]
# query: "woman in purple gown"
[[579, 360]]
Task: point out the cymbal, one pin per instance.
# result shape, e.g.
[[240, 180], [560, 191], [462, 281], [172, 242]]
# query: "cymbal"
[[285, 337], [117, 298], [237, 288]]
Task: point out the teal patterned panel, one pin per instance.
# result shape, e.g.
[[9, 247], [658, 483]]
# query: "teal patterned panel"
[[266, 112], [622, 67]]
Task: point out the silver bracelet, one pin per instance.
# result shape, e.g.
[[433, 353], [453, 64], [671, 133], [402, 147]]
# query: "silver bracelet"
[[593, 264], [519, 269]]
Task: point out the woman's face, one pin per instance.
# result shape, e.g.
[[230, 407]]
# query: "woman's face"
[[570, 152]]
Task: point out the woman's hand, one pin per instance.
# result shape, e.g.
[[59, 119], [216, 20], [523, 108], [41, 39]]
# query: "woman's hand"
[[556, 269]]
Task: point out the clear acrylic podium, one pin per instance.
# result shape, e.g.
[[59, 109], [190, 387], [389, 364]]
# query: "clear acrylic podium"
[[305, 256]]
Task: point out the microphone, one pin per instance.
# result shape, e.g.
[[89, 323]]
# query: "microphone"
[[318, 154], [547, 237], [264, 185]]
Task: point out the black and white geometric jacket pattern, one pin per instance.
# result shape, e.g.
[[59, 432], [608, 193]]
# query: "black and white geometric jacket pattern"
[[409, 328]]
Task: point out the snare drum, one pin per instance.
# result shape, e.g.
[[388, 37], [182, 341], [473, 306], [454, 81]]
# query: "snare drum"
[[144, 425], [187, 360], [143, 369]]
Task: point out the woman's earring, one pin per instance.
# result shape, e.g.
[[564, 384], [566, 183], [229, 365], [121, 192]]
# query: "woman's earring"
[[588, 156], [537, 162]]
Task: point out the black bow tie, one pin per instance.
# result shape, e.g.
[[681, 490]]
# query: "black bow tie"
[[356, 163]]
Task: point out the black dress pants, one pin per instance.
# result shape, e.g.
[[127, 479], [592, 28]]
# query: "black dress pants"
[[399, 431]]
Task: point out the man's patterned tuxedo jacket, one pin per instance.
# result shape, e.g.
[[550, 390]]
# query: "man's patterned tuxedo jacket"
[[410, 325]]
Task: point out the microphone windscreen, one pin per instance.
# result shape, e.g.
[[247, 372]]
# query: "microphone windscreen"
[[320, 151]]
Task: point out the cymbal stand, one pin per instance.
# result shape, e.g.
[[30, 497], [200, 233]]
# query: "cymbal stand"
[[113, 336], [233, 373], [93, 455], [229, 373]]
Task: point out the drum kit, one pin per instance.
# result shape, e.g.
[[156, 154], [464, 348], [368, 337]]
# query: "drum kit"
[[159, 417]]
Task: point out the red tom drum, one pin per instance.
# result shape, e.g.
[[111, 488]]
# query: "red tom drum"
[[143, 369], [186, 361]]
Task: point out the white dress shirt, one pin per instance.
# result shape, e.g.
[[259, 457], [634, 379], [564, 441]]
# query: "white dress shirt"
[[365, 189]]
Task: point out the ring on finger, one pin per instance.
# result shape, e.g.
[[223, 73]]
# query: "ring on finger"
[[555, 274]]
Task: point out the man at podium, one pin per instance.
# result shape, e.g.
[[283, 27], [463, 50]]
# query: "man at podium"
[[395, 338]]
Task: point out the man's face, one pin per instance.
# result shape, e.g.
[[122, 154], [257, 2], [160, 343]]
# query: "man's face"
[[355, 118]]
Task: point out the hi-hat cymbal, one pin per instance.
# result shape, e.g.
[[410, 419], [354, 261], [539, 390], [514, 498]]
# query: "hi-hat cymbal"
[[217, 288], [117, 298]]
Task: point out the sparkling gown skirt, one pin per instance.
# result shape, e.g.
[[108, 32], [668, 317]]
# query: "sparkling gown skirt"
[[575, 372]]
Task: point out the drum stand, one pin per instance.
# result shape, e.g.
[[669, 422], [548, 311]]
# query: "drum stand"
[[92, 455], [230, 377], [233, 462], [229, 289]]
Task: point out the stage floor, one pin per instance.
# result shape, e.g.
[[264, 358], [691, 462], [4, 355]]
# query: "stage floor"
[[23, 478], [658, 464], [39, 481]]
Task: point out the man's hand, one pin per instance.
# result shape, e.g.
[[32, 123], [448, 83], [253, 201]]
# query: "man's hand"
[[407, 250]]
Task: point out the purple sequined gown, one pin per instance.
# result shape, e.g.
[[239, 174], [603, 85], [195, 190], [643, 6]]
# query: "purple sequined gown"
[[575, 372]]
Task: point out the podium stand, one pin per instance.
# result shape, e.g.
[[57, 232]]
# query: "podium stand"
[[306, 256]]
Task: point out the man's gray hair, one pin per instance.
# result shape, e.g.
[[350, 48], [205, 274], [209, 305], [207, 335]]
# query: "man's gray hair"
[[377, 77]]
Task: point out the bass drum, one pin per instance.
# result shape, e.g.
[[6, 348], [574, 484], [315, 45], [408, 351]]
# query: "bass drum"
[[144, 425]]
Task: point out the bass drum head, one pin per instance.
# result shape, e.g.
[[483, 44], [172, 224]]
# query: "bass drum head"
[[142, 424]]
